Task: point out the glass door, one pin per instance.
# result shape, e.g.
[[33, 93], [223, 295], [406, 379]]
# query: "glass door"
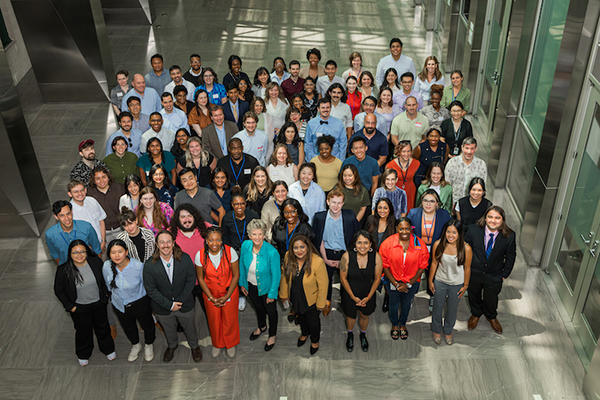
[[587, 317], [576, 253], [492, 62]]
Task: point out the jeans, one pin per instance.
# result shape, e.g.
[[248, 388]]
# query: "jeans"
[[402, 301], [444, 291]]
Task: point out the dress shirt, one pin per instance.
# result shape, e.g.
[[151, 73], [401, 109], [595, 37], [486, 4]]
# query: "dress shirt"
[[130, 283], [400, 97], [191, 88], [142, 124], [110, 203], [275, 78], [133, 141], [343, 113], [424, 87], [290, 87], [407, 129], [158, 82], [175, 120], [459, 174], [324, 83], [82, 171], [333, 234], [404, 64], [404, 268], [312, 202], [91, 211], [150, 100], [168, 265], [488, 232], [255, 145], [217, 93], [58, 241], [166, 136], [359, 122], [367, 169], [222, 138], [318, 127]]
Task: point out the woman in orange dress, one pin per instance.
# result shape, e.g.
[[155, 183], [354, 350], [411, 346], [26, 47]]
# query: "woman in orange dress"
[[218, 273], [407, 167]]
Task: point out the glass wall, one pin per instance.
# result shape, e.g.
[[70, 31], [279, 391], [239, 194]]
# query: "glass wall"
[[549, 35]]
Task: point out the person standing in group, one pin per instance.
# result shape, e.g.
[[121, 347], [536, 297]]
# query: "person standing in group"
[[124, 277], [307, 192], [396, 60], [313, 70], [293, 84], [270, 211], [327, 165], [258, 190], [169, 280], [354, 95], [404, 257], [494, 253], [360, 275], [304, 282], [79, 285], [429, 76], [357, 195], [456, 129], [448, 278], [260, 274], [430, 151], [281, 166], [436, 180], [461, 170], [121, 162], [407, 167], [291, 221], [217, 269], [152, 214], [388, 189], [117, 93], [471, 208], [457, 91], [325, 124], [139, 241]]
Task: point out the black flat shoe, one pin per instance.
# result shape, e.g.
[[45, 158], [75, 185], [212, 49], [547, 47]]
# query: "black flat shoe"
[[386, 303], [268, 347], [350, 342], [291, 317], [313, 350], [364, 344], [301, 342], [254, 336]]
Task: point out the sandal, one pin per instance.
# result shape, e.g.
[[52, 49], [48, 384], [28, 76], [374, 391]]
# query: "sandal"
[[403, 334], [395, 334]]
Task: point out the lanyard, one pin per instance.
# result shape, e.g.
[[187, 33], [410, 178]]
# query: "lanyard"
[[455, 97], [457, 133], [404, 174], [236, 177], [287, 234], [67, 242], [131, 202], [428, 232], [276, 205], [241, 237]]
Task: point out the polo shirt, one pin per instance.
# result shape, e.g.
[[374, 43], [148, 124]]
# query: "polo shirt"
[[367, 169], [290, 87], [158, 82], [406, 129], [376, 146], [204, 200]]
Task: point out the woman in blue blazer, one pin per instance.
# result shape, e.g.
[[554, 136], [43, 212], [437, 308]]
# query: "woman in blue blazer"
[[428, 222], [260, 274]]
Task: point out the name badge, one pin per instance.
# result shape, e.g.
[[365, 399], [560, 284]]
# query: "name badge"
[[418, 124], [261, 149], [247, 171], [455, 151], [215, 95], [440, 118], [274, 173], [319, 134], [120, 94]]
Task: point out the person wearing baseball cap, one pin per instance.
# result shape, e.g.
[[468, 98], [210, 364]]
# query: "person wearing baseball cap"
[[83, 168]]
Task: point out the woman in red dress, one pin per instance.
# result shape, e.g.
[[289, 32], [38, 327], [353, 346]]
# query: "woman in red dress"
[[407, 167]]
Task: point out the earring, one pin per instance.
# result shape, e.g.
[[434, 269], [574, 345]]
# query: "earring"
[[356, 251], [370, 249]]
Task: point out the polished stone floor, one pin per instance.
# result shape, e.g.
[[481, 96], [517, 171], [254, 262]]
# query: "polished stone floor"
[[533, 359]]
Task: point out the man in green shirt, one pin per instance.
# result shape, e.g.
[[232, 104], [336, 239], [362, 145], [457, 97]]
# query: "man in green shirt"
[[121, 162], [410, 125]]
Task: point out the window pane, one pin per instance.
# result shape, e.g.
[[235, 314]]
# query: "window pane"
[[543, 64]]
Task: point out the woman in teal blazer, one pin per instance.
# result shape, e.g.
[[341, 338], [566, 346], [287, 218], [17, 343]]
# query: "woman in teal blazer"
[[260, 274]]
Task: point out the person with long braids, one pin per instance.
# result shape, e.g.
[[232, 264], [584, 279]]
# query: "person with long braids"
[[80, 287], [124, 278], [217, 269]]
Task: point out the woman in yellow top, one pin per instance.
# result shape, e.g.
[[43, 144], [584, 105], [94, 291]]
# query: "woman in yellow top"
[[457, 92], [304, 282], [327, 164]]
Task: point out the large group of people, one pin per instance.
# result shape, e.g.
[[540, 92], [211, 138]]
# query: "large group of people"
[[268, 190]]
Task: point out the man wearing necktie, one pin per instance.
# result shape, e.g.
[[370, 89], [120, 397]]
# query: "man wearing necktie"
[[494, 253], [325, 124], [234, 109]]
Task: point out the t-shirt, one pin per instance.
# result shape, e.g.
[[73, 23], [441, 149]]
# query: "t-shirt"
[[139, 243], [87, 289], [204, 200], [367, 169], [327, 173], [216, 259], [355, 203]]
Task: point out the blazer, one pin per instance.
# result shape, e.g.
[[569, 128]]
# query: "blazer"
[[210, 140], [441, 217], [162, 292], [65, 290], [268, 268], [502, 258], [243, 108], [349, 221], [315, 285]]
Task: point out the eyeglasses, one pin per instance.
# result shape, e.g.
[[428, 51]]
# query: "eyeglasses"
[[429, 201], [78, 253], [165, 242]]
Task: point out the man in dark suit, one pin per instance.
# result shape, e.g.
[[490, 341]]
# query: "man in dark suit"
[[217, 135], [169, 279], [334, 230], [234, 108], [494, 253]]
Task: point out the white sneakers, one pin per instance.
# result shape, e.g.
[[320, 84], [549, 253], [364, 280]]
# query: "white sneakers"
[[242, 303], [83, 363], [111, 356], [231, 352], [215, 352], [148, 352], [134, 352]]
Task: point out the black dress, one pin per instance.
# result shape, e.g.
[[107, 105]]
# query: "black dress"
[[470, 215], [360, 281], [454, 138]]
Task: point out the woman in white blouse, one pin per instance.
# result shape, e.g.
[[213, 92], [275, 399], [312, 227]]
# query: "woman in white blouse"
[[430, 75], [310, 195], [277, 105]]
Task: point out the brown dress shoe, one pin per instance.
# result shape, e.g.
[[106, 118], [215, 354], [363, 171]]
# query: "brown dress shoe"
[[113, 331], [169, 353], [327, 308], [197, 354], [495, 325], [472, 322]]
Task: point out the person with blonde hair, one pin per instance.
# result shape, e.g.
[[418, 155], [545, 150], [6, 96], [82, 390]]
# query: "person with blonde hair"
[[429, 76]]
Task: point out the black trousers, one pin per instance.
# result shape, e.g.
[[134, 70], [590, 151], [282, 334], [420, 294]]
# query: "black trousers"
[[141, 311], [334, 256], [263, 309], [483, 298], [310, 324], [89, 319]]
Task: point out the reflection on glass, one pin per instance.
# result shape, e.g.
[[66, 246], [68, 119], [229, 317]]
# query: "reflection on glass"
[[591, 309]]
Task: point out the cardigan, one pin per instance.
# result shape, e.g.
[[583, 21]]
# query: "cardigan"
[[315, 285], [149, 242], [268, 268]]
